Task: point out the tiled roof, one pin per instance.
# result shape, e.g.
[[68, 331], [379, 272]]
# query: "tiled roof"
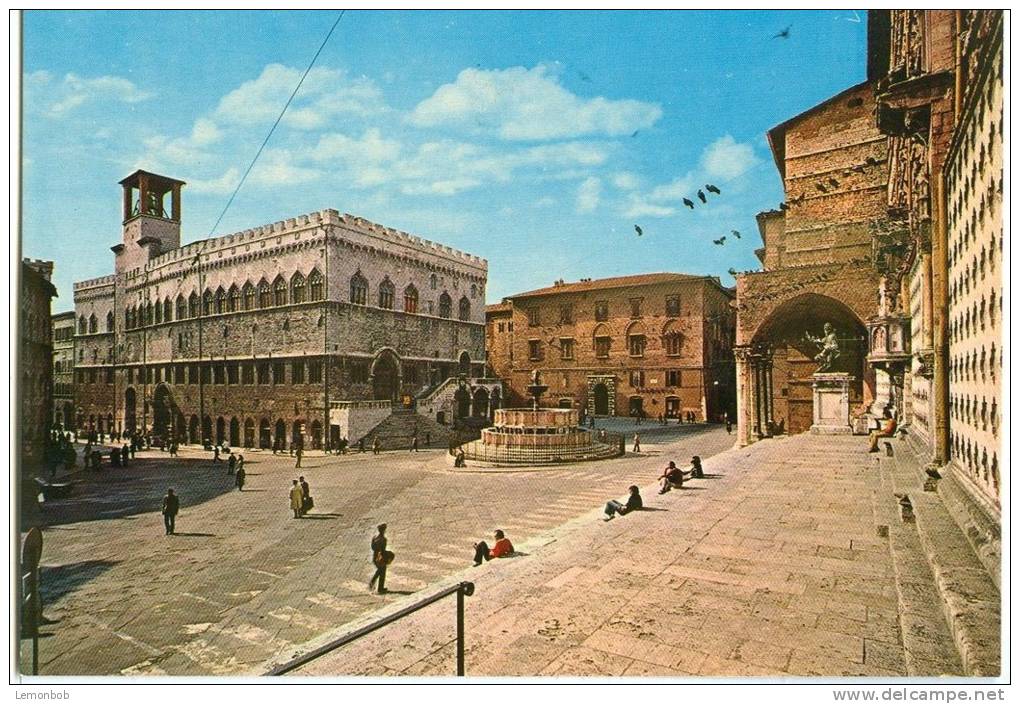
[[612, 282], [498, 307]]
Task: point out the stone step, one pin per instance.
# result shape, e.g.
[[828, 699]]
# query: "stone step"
[[967, 595]]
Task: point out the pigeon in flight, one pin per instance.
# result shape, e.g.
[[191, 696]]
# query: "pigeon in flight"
[[735, 234], [701, 196], [784, 34], [638, 230], [689, 203], [712, 189], [634, 133], [721, 240], [732, 272]]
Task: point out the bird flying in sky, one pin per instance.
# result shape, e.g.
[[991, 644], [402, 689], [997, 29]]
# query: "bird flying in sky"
[[638, 230], [689, 203], [712, 189], [701, 196], [735, 234], [721, 240], [784, 34]]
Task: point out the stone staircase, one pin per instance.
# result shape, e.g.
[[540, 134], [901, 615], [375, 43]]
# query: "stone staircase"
[[397, 431], [964, 592]]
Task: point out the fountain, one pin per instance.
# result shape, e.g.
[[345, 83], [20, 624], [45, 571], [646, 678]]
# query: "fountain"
[[535, 436]]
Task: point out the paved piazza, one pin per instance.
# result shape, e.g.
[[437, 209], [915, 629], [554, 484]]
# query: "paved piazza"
[[243, 582]]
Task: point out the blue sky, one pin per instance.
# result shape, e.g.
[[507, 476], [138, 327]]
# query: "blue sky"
[[534, 139]]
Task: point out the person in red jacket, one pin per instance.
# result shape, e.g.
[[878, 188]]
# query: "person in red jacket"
[[502, 548]]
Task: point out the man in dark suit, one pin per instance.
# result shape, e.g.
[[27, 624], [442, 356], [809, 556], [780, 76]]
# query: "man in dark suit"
[[381, 558], [171, 505]]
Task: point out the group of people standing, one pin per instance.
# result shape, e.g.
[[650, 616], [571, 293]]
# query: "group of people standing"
[[300, 497]]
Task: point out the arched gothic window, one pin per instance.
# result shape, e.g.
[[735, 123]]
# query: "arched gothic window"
[[82, 325], [464, 313], [182, 307], [221, 300], [410, 299], [248, 296], [445, 305], [265, 297], [386, 294], [109, 321], [158, 313], [207, 302], [193, 305], [359, 289], [297, 288], [233, 299], [315, 285], [279, 292], [168, 310]]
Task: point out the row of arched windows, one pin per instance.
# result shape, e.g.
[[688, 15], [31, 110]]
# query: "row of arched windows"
[[386, 298], [248, 297], [91, 325]]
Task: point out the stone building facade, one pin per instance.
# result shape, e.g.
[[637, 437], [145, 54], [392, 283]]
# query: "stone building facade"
[[816, 265], [35, 355], [939, 87], [251, 338], [654, 344], [63, 370]]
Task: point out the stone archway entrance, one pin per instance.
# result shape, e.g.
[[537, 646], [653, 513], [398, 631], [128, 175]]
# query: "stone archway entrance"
[[164, 412], [130, 410], [464, 364], [462, 403], [386, 376], [481, 406], [601, 396], [781, 362]]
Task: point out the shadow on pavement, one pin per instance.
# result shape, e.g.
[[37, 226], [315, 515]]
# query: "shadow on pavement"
[[120, 492], [57, 582]]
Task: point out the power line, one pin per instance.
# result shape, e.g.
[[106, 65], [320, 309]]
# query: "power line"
[[278, 119]]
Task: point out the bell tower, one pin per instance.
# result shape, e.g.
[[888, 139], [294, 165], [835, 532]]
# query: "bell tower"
[[152, 219]]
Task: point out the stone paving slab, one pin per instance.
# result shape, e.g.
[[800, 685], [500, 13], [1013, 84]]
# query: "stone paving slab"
[[243, 582], [709, 582]]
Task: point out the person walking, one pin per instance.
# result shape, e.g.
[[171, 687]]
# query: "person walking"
[[239, 478], [306, 496], [171, 506], [231, 464], [296, 494], [634, 503], [361, 445], [637, 443], [414, 442], [216, 453], [240, 462], [298, 452], [381, 558], [729, 423], [376, 446]]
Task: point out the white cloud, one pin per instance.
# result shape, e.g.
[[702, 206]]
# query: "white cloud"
[[529, 104], [725, 158], [675, 190], [58, 98], [366, 158], [637, 207], [589, 194], [325, 94], [625, 180], [216, 186]]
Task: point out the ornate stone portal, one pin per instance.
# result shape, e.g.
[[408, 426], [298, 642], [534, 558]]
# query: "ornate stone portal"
[[831, 403]]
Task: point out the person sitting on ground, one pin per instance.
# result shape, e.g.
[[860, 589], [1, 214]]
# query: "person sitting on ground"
[[502, 548], [634, 503], [696, 471], [671, 478], [887, 429]]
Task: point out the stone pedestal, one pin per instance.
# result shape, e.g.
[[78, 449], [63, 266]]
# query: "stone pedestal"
[[831, 404]]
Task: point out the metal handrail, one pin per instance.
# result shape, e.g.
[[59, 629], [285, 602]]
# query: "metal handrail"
[[461, 589]]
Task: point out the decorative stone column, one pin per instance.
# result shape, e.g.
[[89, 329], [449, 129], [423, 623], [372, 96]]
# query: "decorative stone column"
[[745, 394]]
